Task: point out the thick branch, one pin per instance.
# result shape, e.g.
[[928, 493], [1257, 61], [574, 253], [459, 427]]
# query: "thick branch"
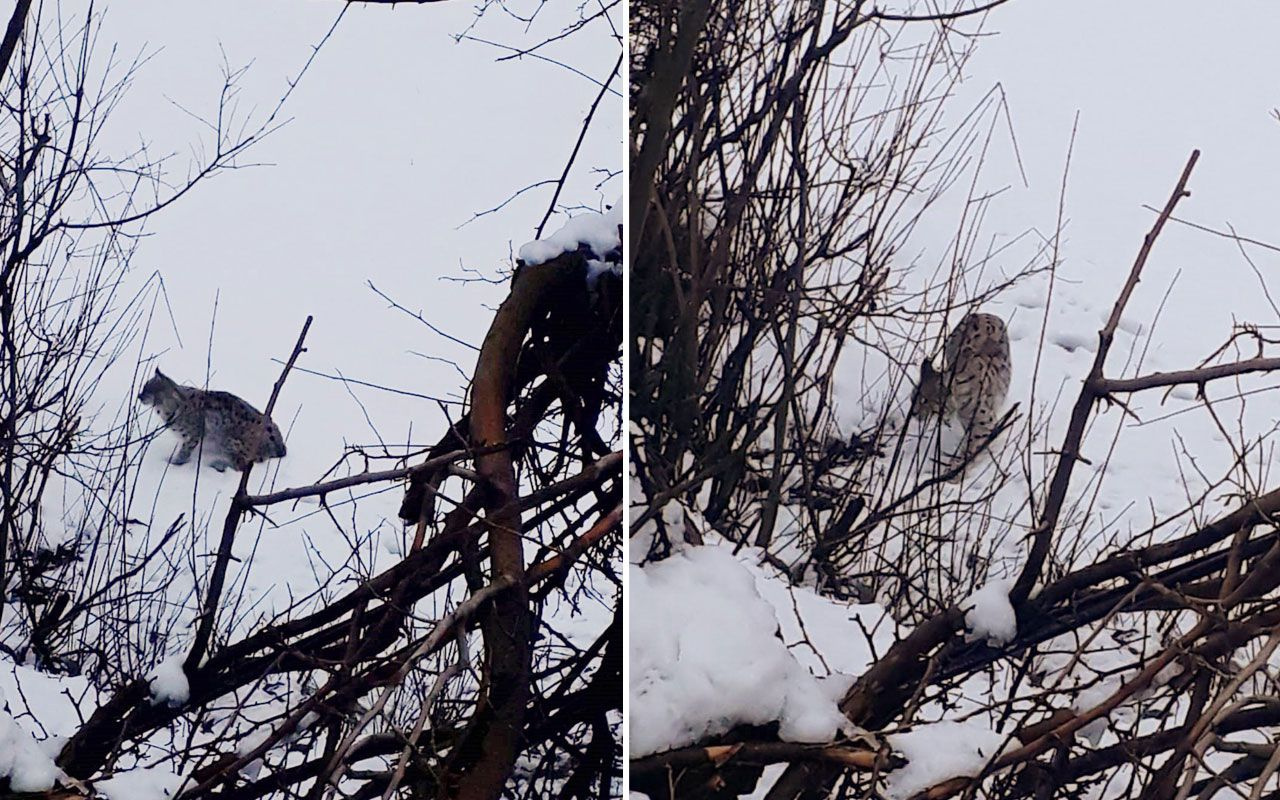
[[12, 33], [858, 758], [478, 767]]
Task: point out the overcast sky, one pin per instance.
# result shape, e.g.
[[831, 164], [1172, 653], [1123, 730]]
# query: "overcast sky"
[[1151, 81], [398, 134]]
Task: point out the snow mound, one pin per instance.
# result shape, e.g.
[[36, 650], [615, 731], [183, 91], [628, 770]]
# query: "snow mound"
[[37, 712], [597, 233], [22, 761], [44, 705], [139, 784], [938, 752], [823, 634], [989, 615], [705, 657], [169, 683]]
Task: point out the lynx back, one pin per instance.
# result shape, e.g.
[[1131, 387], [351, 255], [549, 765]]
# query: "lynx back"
[[971, 386]]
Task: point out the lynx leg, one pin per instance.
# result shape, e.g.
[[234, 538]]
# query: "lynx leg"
[[237, 456], [183, 454]]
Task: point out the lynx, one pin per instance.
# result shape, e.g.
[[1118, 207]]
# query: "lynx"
[[974, 379], [234, 432]]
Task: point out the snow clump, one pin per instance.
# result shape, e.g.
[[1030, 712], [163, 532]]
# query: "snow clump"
[[705, 658], [938, 752], [22, 761], [597, 234], [169, 683], [989, 615]]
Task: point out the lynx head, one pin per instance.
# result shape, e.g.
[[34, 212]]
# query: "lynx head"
[[927, 399], [157, 389]]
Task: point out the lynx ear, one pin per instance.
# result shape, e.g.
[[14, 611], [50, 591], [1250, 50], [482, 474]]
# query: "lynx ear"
[[926, 369]]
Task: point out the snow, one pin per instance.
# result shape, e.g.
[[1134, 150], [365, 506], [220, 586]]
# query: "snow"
[[597, 232], [825, 635], [770, 774], [139, 784], [939, 751], [169, 683], [22, 760], [989, 615], [749, 649], [30, 695], [37, 712], [706, 657]]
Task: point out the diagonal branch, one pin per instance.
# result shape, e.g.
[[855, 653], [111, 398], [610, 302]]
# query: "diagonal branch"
[[12, 34], [1090, 393], [238, 506], [353, 480]]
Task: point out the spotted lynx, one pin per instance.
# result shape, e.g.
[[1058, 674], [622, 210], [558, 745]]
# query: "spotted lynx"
[[233, 431], [971, 386]]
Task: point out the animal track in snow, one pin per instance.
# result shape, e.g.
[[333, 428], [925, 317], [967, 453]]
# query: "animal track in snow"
[[1072, 341]]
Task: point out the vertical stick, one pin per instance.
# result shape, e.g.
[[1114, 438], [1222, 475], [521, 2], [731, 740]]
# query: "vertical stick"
[[204, 629]]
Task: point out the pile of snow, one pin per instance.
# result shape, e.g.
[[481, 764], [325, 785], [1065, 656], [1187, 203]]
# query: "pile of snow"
[[989, 615], [169, 683], [706, 657], [139, 784], [597, 234], [45, 705], [22, 760], [938, 752], [827, 636], [37, 713]]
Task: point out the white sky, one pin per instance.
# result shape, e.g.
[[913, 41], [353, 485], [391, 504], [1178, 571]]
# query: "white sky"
[[398, 135]]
